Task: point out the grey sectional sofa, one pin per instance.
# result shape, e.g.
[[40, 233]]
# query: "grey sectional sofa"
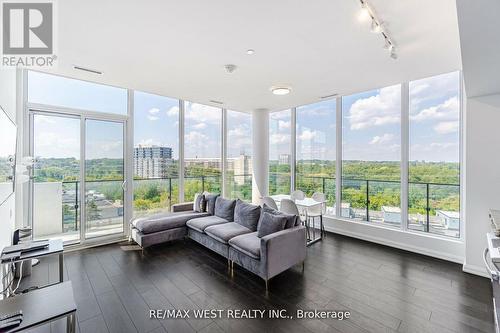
[[230, 228]]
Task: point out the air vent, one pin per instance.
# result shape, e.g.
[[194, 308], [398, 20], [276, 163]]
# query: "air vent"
[[329, 96], [216, 102], [93, 71]]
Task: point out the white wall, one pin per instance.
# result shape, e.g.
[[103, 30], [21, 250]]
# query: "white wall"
[[8, 103], [447, 249], [482, 184]]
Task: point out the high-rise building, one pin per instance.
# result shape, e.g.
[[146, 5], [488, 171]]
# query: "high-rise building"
[[284, 159], [152, 161], [242, 166]]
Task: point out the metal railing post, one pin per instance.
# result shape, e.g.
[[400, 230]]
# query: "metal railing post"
[[170, 193], [324, 189], [77, 206], [428, 209], [202, 183], [367, 201]]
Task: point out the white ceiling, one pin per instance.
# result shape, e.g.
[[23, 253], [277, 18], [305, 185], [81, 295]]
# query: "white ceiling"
[[179, 48], [480, 45]]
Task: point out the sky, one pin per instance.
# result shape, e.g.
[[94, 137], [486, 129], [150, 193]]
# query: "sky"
[[371, 123]]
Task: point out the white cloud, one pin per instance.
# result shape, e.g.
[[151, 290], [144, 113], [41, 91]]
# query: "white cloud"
[[446, 127], [285, 114], [149, 142], [385, 138], [378, 110], [200, 126], [448, 110], [307, 135], [173, 111], [203, 113], [154, 111], [431, 89], [153, 118], [277, 138], [283, 124], [195, 138]]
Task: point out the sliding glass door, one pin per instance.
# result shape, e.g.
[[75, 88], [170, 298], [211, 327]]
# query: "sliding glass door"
[[56, 183], [104, 178], [78, 183]]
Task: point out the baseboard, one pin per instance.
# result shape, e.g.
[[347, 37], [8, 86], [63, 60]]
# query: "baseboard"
[[397, 245], [476, 270]]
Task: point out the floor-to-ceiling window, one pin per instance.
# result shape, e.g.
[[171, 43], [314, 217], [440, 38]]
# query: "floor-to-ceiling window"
[[156, 153], [76, 126], [315, 165], [371, 124], [202, 149], [434, 169], [280, 140], [239, 155]]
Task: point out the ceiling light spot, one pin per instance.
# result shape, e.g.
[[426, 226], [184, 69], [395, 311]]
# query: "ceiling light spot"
[[230, 68], [364, 13], [280, 90], [250, 51]]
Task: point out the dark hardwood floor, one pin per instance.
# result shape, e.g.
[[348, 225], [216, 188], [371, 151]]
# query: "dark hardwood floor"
[[386, 290]]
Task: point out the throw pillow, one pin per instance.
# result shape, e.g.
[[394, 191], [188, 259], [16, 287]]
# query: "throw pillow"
[[199, 199], [210, 199], [270, 224], [291, 220], [224, 208], [247, 214]]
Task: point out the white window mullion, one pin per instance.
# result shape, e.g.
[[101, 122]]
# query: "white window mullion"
[[293, 148], [181, 151], [338, 161], [129, 161], [224, 151], [405, 141]]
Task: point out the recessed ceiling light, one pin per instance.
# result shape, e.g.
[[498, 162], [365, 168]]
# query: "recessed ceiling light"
[[250, 51], [280, 90]]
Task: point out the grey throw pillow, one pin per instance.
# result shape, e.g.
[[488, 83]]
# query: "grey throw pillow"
[[199, 204], [291, 220], [247, 214], [270, 224], [224, 208], [210, 199]]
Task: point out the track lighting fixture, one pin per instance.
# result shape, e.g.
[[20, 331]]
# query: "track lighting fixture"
[[377, 27]]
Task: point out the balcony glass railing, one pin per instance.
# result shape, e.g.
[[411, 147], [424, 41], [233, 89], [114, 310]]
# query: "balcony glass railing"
[[432, 207]]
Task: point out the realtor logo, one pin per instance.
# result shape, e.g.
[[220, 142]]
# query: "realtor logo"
[[28, 34]]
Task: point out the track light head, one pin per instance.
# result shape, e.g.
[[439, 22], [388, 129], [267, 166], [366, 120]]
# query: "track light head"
[[376, 27], [364, 13]]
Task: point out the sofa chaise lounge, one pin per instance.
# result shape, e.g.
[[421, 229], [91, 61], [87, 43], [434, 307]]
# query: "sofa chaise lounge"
[[259, 239]]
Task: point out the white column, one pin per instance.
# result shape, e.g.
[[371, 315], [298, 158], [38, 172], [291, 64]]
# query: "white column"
[[260, 156]]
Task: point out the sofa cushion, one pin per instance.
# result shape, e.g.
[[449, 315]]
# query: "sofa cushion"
[[164, 221], [199, 224], [248, 244], [270, 224], [225, 208], [224, 232], [291, 220], [210, 199], [247, 214], [199, 203]]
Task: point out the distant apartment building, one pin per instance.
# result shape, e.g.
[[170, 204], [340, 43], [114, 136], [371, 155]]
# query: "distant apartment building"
[[242, 165], [284, 159], [152, 161]]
